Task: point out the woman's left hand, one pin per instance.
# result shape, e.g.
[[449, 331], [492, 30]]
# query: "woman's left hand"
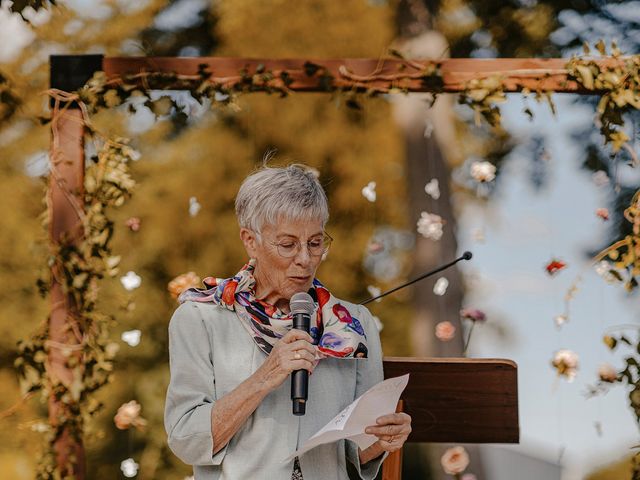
[[392, 431]]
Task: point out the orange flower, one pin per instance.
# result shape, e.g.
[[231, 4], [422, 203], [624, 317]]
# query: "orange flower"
[[455, 460], [129, 416], [182, 282], [445, 331]]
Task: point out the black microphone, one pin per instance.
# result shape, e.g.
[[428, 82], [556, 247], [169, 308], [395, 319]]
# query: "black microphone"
[[302, 306], [465, 256]]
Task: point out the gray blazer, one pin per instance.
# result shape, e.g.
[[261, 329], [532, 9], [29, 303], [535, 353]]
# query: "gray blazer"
[[210, 354]]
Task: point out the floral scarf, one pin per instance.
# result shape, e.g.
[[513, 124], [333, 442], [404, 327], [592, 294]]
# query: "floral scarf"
[[336, 332]]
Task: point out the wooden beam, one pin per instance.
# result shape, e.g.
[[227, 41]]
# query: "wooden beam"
[[532, 73], [458, 399]]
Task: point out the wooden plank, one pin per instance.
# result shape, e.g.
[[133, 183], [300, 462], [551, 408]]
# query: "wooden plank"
[[459, 400], [517, 73]]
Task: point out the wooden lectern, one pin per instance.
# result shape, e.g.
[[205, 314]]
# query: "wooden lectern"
[[460, 400]]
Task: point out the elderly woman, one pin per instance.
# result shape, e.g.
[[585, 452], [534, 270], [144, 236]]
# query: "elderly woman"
[[232, 350]]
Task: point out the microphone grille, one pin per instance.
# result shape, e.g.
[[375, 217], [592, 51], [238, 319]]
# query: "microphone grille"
[[301, 303]]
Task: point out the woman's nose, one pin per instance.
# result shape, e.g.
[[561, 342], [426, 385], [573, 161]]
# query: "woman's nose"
[[303, 257]]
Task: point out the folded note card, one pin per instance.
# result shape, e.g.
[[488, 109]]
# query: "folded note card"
[[381, 399]]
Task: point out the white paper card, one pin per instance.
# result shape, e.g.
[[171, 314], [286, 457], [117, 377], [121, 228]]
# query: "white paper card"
[[350, 423]]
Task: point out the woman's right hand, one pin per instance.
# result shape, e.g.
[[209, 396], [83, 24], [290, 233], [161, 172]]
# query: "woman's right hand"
[[294, 351]]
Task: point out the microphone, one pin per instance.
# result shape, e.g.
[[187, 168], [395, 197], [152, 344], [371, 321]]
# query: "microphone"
[[302, 306], [465, 256]]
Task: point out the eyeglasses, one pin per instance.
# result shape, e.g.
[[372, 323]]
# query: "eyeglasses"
[[316, 247]]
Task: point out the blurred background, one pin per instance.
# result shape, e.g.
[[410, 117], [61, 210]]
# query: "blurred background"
[[552, 174]]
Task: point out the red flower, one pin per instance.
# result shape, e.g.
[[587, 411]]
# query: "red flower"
[[336, 353], [342, 313], [323, 296], [229, 292], [554, 266]]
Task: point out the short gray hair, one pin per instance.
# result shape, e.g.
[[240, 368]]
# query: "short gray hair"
[[273, 193]]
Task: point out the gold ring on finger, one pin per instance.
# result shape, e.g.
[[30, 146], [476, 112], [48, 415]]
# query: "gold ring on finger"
[[297, 356]]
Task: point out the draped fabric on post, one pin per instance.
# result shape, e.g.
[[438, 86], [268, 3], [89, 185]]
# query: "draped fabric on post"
[[334, 330]]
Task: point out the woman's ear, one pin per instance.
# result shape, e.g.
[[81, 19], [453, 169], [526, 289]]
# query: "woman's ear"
[[250, 241]]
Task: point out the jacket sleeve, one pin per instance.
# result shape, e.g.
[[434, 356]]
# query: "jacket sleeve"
[[190, 395], [368, 373]]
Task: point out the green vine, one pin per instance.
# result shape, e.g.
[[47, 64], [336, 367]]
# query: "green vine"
[[78, 268], [619, 87], [625, 254]]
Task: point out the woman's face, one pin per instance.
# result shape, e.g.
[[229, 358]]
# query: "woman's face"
[[278, 277]]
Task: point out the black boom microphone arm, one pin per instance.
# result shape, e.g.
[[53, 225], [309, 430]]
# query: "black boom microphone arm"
[[465, 256]]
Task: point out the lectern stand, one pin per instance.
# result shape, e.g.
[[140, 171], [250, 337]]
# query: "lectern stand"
[[458, 400]]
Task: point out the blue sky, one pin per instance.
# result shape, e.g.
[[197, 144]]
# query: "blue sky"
[[523, 230]]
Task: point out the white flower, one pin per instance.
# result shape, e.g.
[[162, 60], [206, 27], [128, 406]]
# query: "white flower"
[[483, 171], [478, 235], [455, 460], [133, 154], [600, 178], [374, 291], [131, 337], [430, 225], [369, 192], [378, 323], [566, 363], [433, 188], [603, 268], [194, 206], [607, 373], [560, 320], [129, 468], [428, 129], [131, 281], [440, 288], [40, 427]]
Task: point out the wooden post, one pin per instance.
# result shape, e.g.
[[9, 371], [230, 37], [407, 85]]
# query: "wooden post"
[[392, 465], [65, 197]]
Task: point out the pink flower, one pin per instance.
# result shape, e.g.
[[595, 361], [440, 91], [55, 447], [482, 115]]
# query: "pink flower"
[[445, 331], [473, 314], [607, 373], [455, 460], [129, 416], [133, 223], [603, 213]]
